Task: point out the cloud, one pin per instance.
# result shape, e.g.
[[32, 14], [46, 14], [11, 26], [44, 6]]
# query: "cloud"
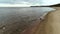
[[19, 1], [5, 1], [50, 2], [30, 2]]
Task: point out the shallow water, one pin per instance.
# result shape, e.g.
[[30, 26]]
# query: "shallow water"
[[10, 12]]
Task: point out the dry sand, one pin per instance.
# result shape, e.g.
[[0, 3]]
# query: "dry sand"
[[51, 23]]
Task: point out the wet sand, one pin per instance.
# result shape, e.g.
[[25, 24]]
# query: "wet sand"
[[38, 28]]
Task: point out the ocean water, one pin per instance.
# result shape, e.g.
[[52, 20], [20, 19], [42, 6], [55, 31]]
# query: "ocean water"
[[11, 14], [20, 17]]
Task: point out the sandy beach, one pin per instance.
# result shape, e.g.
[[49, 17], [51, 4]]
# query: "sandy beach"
[[51, 23]]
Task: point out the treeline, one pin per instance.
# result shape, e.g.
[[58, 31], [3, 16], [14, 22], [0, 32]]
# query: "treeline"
[[56, 5]]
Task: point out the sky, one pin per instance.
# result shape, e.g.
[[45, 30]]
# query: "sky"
[[28, 2]]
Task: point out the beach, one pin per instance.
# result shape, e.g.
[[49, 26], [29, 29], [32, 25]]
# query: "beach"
[[51, 23]]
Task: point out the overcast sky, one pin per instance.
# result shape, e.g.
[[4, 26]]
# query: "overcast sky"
[[30, 2]]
